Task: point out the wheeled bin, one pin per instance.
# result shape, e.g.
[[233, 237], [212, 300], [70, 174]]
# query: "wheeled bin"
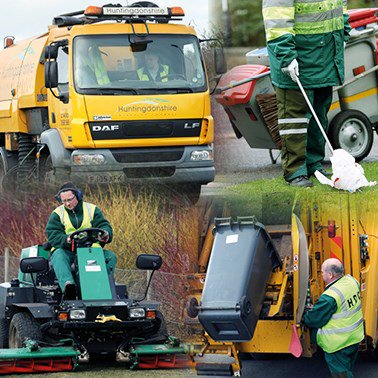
[[242, 259]]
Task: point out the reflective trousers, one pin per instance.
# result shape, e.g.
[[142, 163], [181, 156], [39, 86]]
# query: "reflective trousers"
[[302, 141], [62, 260]]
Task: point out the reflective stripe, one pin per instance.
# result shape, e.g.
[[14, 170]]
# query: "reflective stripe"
[[341, 296], [293, 120], [320, 17], [293, 131], [346, 314], [340, 330], [146, 77], [278, 24], [277, 3]]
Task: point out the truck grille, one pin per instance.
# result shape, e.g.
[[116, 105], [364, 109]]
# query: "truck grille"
[[145, 129], [144, 155]]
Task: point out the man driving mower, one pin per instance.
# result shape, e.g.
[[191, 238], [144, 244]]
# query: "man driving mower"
[[72, 215]]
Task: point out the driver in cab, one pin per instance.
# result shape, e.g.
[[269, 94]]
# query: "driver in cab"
[[72, 215], [153, 70]]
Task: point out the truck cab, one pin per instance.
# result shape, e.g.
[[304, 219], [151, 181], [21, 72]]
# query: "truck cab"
[[115, 94]]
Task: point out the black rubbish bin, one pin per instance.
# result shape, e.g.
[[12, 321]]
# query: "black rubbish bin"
[[240, 265]]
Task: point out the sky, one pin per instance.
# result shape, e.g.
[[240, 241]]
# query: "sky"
[[27, 18]]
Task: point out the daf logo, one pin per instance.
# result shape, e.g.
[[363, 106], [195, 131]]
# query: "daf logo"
[[194, 125], [105, 128]]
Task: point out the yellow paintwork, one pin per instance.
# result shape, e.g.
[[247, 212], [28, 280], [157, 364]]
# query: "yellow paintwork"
[[360, 96], [21, 71]]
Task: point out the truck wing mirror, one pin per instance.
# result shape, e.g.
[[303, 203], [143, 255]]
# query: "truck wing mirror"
[[34, 265], [51, 74], [149, 262], [51, 51], [220, 61]]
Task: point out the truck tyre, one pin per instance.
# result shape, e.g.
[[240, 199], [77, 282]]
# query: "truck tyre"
[[4, 333], [23, 326], [352, 131]]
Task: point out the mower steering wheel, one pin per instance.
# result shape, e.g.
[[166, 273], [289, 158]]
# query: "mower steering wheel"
[[87, 236]]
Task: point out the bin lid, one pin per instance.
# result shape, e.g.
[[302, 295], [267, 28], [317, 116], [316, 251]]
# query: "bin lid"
[[242, 93], [362, 17]]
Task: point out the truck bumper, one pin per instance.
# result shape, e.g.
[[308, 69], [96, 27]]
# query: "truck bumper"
[[167, 165]]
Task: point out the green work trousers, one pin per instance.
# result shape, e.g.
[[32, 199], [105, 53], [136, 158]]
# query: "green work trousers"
[[302, 141], [341, 363], [62, 260]]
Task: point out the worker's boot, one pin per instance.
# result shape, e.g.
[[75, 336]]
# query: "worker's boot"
[[301, 181]]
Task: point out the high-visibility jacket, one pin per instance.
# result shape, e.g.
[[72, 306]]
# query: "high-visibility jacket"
[[144, 75], [346, 326], [98, 68], [88, 215], [313, 32]]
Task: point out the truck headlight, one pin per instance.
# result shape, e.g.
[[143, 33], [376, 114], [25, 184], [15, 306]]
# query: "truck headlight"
[[201, 155], [77, 314], [137, 313], [85, 159]]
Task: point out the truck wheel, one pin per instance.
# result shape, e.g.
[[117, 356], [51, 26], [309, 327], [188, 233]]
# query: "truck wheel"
[[4, 333], [352, 131], [23, 326]]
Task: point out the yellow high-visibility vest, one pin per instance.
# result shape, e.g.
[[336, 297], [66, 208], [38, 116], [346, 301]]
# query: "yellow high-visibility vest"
[[88, 215], [346, 326]]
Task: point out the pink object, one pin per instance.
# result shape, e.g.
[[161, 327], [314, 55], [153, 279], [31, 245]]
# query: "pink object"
[[295, 344]]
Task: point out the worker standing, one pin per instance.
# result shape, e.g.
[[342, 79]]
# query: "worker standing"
[[304, 39], [337, 316]]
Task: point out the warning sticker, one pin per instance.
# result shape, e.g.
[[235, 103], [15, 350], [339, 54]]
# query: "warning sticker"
[[232, 239]]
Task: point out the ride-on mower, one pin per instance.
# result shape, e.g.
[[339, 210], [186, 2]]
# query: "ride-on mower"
[[56, 330]]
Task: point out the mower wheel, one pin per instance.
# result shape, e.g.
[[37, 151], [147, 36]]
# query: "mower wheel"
[[23, 326], [352, 131], [4, 333]]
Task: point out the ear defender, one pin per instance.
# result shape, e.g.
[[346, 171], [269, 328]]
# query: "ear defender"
[[79, 195], [57, 197]]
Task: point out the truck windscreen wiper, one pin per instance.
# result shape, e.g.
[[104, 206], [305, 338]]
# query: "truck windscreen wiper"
[[176, 90]]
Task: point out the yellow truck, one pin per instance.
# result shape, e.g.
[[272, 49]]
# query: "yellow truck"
[[87, 102], [235, 306]]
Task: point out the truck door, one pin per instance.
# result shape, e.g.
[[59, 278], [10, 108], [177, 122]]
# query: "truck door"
[[59, 105]]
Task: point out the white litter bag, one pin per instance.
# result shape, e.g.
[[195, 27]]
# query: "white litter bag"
[[347, 174]]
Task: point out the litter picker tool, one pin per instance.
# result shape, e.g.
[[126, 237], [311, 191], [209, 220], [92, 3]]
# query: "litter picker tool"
[[314, 114]]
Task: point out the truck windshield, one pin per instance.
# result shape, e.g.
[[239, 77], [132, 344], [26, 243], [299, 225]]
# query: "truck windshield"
[[110, 64]]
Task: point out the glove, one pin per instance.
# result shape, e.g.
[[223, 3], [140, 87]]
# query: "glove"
[[345, 44], [68, 239], [105, 237], [292, 69]]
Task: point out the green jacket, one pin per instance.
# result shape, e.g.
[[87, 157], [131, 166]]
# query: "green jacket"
[[311, 32], [55, 229]]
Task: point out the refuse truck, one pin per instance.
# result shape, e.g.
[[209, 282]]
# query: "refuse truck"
[[78, 102], [247, 95], [43, 329], [255, 281]]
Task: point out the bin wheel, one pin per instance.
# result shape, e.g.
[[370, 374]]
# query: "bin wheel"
[[352, 131], [23, 326], [4, 333]]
